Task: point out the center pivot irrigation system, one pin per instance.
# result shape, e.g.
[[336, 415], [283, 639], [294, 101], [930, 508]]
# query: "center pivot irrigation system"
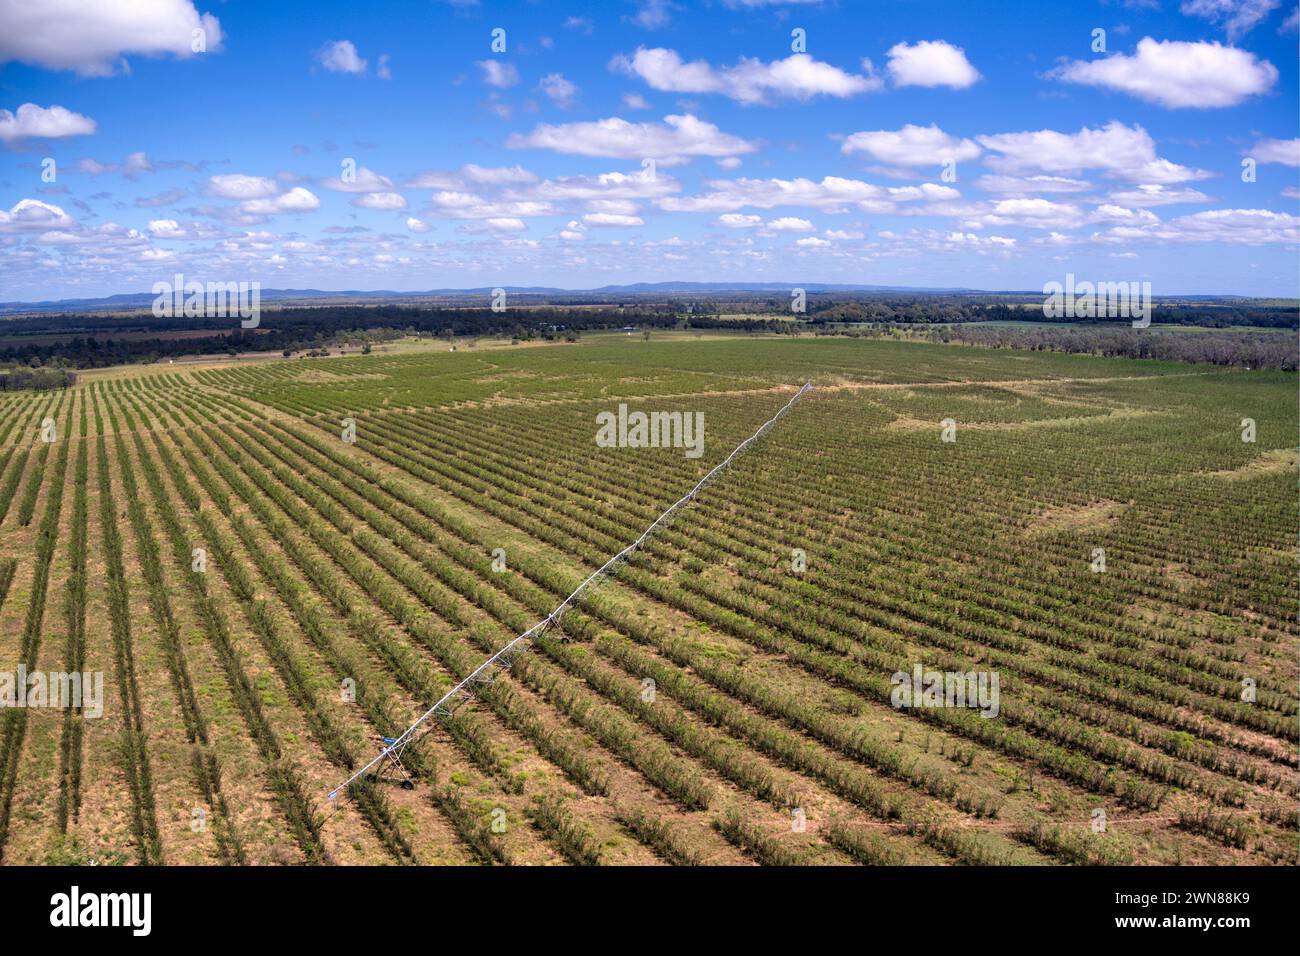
[[490, 669]]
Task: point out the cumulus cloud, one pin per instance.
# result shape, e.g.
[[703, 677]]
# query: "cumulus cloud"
[[1030, 185], [453, 204], [558, 90], [92, 38], [416, 225], [831, 194], [971, 239], [500, 224], [930, 63], [789, 224], [171, 229], [30, 121], [499, 74], [911, 146], [611, 219], [1283, 151], [471, 174], [603, 187], [1156, 194], [166, 228], [1118, 151], [1177, 74], [364, 180], [33, 215], [380, 200], [497, 175], [798, 76], [1111, 213], [1249, 227], [1238, 17], [1035, 213], [162, 199], [297, 199], [340, 56], [675, 139], [736, 220], [653, 14], [240, 186]]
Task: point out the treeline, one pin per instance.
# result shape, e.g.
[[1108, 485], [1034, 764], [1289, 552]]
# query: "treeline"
[[1240, 349], [39, 379], [95, 341], [314, 329], [929, 310]]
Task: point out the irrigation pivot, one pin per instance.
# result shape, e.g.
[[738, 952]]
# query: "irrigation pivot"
[[488, 671]]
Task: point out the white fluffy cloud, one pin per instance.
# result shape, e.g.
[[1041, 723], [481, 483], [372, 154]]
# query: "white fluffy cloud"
[[611, 219], [380, 200], [497, 175], [1238, 17], [833, 194], [736, 220], [1284, 151], [33, 215], [911, 146], [499, 74], [1118, 151], [340, 56], [92, 38], [1177, 74], [1156, 194], [30, 121], [365, 180], [675, 139], [1031, 185], [798, 76], [166, 229], [1036, 213], [471, 175], [239, 186], [416, 225], [297, 199], [789, 224], [1249, 227], [602, 188], [454, 204], [558, 90], [930, 63], [136, 165], [497, 224]]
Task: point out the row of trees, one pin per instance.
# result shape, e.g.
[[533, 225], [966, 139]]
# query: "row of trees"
[[39, 379], [1241, 349]]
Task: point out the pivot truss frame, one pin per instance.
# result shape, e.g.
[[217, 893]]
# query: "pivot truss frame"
[[501, 661]]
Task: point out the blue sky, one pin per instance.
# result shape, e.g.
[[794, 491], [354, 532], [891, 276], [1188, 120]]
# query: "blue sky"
[[388, 145]]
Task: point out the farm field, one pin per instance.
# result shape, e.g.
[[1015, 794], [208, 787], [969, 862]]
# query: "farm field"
[[727, 698]]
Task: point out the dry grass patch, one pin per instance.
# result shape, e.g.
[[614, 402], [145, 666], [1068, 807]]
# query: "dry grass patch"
[[1094, 516], [1270, 462]]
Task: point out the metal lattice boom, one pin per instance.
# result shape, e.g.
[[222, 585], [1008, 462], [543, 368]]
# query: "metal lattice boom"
[[502, 660]]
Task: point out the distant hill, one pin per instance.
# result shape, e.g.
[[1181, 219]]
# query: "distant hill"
[[132, 301]]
